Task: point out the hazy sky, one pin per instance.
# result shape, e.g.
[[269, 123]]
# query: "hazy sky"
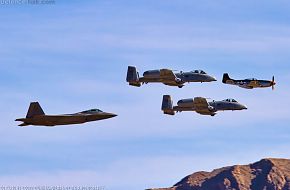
[[73, 56]]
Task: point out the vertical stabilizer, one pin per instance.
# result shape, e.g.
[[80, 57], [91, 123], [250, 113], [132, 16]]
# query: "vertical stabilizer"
[[34, 109], [133, 76], [226, 78], [167, 105]]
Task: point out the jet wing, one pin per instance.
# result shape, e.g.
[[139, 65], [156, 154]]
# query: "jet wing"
[[201, 106], [167, 74]]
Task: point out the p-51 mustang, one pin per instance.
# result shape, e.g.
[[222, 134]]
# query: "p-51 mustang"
[[199, 105], [167, 77], [36, 116], [249, 83]]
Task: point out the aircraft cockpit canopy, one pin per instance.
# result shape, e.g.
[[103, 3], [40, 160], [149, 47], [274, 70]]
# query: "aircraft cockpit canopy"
[[199, 72], [251, 79], [230, 100], [92, 111]]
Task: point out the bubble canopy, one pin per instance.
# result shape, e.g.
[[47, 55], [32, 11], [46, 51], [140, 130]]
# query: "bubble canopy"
[[92, 111], [230, 100], [198, 71]]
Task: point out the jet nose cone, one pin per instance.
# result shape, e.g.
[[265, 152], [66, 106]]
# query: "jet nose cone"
[[244, 107], [213, 79], [110, 115]]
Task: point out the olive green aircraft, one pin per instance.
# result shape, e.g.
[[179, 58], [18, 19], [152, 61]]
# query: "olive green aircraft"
[[199, 105], [36, 116], [167, 77], [249, 83]]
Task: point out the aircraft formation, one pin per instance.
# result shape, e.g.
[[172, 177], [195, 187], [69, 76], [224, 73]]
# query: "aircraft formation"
[[36, 116], [199, 105]]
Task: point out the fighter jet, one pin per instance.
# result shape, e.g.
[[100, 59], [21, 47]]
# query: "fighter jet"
[[167, 77], [249, 83], [199, 105], [36, 116]]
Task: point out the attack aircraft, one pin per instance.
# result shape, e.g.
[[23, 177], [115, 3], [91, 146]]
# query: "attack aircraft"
[[167, 77], [199, 105]]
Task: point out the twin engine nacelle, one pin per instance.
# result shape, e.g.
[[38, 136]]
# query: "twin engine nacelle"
[[189, 103], [155, 74], [185, 103], [152, 74]]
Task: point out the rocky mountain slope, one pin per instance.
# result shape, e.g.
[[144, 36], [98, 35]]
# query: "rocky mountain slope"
[[267, 174]]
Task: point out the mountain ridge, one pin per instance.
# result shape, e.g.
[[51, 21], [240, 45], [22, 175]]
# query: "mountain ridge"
[[266, 174]]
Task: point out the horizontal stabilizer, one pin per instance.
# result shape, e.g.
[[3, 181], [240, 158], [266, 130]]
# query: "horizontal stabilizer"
[[23, 124]]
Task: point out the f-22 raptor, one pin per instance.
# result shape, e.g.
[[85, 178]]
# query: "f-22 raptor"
[[167, 77], [199, 105], [36, 116]]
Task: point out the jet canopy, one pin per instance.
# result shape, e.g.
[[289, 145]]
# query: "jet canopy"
[[230, 100], [92, 111], [198, 72]]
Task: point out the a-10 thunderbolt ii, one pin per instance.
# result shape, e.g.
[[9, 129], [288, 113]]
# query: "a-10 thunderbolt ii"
[[199, 105], [249, 83], [36, 116], [166, 76]]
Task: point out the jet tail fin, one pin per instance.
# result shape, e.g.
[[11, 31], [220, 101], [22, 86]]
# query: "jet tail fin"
[[226, 78], [133, 76], [34, 109], [167, 105]]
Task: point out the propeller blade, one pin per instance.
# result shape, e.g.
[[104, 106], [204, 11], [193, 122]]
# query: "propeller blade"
[[273, 83]]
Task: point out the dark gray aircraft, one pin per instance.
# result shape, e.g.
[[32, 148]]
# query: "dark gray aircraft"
[[36, 116], [199, 105], [167, 77], [249, 83]]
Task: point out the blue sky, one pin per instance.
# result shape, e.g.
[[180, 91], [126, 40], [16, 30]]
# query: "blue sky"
[[73, 56]]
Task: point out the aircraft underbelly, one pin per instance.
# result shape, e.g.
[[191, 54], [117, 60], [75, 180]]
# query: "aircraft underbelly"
[[204, 112], [171, 83], [180, 109], [68, 120], [145, 79], [58, 120], [246, 86]]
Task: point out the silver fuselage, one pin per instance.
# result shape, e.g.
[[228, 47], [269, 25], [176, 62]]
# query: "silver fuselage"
[[250, 84], [214, 106], [153, 76]]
